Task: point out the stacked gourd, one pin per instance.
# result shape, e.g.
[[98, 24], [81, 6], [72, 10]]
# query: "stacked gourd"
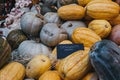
[[30, 53]]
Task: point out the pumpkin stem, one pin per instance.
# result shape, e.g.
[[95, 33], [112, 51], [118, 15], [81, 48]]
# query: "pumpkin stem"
[[38, 9], [59, 25], [70, 25], [54, 7], [39, 16]]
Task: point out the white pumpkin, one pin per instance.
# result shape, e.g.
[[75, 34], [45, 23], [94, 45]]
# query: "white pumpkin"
[[51, 34], [31, 23], [69, 26], [28, 49], [52, 17]]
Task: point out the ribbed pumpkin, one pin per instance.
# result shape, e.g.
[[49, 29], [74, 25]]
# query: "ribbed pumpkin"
[[75, 66], [51, 34], [71, 12], [37, 66], [69, 26], [12, 71], [115, 21], [50, 75], [102, 9], [85, 36], [28, 49], [83, 2], [91, 76], [31, 23], [15, 37], [100, 27], [51, 17], [5, 51]]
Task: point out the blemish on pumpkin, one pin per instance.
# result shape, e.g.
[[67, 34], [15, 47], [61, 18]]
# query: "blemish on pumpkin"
[[28, 67], [42, 60], [106, 26], [63, 75]]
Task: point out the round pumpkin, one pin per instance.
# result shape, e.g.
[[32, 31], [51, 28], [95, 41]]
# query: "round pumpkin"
[[15, 37], [31, 23], [85, 36], [12, 71], [5, 51], [50, 75], [37, 66], [51, 17], [71, 12], [115, 21], [51, 34], [69, 26], [75, 66], [115, 34], [102, 9], [27, 50], [100, 27]]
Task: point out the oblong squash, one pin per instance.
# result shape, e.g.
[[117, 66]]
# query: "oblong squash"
[[12, 71], [100, 27], [85, 36], [91, 76], [102, 9], [75, 66], [71, 12], [50, 75], [115, 21]]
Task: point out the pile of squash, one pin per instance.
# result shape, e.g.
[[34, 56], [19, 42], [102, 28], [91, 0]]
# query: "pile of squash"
[[30, 53]]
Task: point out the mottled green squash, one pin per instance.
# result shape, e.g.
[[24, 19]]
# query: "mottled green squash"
[[5, 51], [105, 58], [15, 37]]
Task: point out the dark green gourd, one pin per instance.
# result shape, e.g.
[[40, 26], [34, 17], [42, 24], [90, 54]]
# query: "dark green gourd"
[[15, 37], [5, 51], [105, 58]]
